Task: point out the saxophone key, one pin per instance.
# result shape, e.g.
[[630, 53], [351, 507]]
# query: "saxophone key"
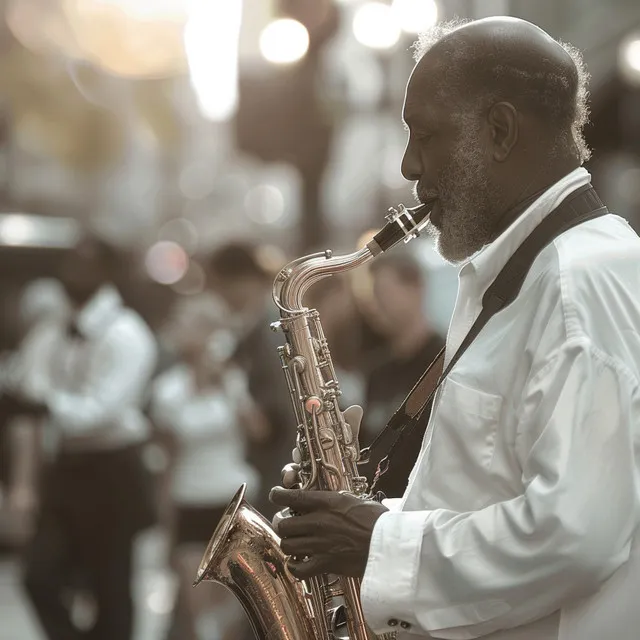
[[313, 405], [327, 438]]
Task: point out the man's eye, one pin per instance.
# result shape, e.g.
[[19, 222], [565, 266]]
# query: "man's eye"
[[422, 137]]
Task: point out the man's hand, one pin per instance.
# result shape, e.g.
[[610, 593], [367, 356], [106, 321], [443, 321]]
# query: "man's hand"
[[332, 534], [290, 472]]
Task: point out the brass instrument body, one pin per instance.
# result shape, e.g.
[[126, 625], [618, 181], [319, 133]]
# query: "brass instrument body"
[[244, 556], [244, 553]]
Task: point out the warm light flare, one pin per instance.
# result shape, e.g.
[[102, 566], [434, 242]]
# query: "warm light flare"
[[631, 54], [414, 16], [375, 26], [211, 39], [629, 58], [284, 41]]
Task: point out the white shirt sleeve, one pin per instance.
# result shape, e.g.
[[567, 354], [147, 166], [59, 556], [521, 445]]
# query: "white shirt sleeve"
[[465, 575], [32, 371], [393, 504], [117, 373]]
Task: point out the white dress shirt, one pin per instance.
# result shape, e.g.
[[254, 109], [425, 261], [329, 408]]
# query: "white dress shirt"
[[520, 519], [94, 384], [211, 463]]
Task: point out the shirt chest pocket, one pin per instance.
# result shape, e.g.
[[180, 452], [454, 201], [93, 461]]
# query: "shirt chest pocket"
[[464, 430]]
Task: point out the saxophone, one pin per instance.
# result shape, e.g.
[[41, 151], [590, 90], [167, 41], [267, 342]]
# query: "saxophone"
[[244, 552]]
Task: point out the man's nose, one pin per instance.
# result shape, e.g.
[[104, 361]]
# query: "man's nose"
[[411, 166]]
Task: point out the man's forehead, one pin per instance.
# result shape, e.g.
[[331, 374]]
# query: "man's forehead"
[[420, 99]]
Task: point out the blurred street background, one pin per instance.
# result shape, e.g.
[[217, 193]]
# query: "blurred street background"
[[168, 157]]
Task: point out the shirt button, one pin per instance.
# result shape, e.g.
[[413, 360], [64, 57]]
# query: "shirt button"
[[393, 622], [405, 625]]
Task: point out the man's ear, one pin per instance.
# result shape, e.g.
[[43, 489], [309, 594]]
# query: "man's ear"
[[504, 124]]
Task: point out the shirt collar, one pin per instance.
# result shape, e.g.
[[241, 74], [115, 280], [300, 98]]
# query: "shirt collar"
[[99, 312], [486, 264]]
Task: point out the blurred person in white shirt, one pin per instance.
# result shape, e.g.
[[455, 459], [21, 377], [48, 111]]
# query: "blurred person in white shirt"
[[91, 372], [204, 403]]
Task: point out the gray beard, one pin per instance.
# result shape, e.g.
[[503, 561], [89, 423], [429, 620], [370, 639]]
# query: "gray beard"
[[466, 199]]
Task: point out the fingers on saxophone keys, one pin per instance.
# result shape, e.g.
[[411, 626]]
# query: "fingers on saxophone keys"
[[305, 501], [296, 456], [303, 547], [290, 475]]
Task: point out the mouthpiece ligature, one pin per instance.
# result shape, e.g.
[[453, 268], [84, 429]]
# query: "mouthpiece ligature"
[[402, 224]]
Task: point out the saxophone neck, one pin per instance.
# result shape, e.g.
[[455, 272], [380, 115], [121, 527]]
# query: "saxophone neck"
[[295, 279]]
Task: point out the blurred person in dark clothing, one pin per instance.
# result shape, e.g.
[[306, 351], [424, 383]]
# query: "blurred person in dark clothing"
[[400, 290], [240, 276], [91, 373]]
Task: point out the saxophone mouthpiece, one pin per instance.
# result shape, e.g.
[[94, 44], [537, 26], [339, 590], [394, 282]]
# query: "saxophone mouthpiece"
[[402, 224]]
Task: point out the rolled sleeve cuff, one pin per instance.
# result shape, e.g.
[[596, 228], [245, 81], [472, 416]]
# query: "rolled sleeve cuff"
[[388, 589]]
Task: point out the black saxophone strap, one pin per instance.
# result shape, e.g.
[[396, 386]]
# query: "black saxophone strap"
[[581, 205]]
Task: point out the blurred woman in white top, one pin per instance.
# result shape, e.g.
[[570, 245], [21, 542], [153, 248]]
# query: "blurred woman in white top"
[[203, 402]]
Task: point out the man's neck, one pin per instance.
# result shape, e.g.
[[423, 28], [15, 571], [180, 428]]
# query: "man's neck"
[[527, 195]]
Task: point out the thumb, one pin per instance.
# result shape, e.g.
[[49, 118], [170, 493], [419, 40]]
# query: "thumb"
[[353, 417], [279, 517]]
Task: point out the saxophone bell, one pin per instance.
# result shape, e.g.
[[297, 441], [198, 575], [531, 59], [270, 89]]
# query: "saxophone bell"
[[244, 556]]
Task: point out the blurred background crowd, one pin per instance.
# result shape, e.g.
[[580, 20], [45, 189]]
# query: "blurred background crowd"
[[160, 161]]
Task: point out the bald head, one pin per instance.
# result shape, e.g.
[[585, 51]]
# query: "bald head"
[[521, 42], [508, 59]]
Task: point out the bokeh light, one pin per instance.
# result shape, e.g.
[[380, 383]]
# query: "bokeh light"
[[211, 38], [15, 229], [375, 26], [160, 601], [629, 58], [146, 9], [414, 16], [284, 41], [264, 204], [130, 39], [166, 262]]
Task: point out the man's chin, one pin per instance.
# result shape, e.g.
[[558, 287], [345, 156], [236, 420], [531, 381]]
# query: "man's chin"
[[447, 250]]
